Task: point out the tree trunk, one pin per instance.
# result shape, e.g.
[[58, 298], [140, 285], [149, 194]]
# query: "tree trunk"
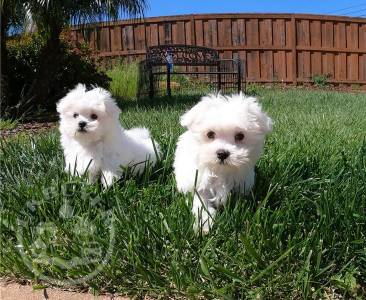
[[49, 66], [4, 59]]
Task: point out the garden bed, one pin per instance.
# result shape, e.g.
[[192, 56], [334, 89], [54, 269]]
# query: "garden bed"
[[27, 128]]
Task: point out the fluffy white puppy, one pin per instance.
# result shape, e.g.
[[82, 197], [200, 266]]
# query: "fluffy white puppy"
[[94, 140], [224, 140]]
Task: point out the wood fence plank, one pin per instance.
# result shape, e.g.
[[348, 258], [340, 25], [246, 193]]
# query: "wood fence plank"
[[179, 36], [294, 53], [116, 35], [265, 32], [252, 32], [148, 35], [279, 65], [224, 32], [266, 57], [167, 33], [161, 34], [362, 46], [235, 33], [154, 34], [127, 38], [266, 61], [328, 41], [352, 43], [213, 32], [139, 37], [241, 31], [279, 32], [199, 32], [340, 61], [243, 58], [105, 45], [253, 65], [303, 39], [188, 33], [253, 62], [316, 41]]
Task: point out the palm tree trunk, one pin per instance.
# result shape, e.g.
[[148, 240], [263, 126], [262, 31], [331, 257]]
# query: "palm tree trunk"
[[49, 66], [4, 59]]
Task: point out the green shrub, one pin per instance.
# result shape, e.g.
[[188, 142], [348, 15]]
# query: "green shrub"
[[321, 80], [8, 124], [24, 58], [253, 89]]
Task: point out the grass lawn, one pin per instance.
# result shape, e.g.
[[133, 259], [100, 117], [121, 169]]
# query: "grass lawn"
[[301, 234]]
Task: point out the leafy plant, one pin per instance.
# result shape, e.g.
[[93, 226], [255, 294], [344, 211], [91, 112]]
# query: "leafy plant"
[[77, 65], [321, 80], [253, 89]]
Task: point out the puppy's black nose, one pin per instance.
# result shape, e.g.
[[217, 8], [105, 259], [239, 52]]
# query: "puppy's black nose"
[[82, 124], [222, 154]]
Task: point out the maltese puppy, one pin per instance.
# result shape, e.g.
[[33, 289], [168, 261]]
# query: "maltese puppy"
[[218, 153], [94, 140]]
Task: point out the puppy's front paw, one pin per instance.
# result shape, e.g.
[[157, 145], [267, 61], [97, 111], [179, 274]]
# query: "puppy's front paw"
[[108, 177], [202, 227], [203, 219]]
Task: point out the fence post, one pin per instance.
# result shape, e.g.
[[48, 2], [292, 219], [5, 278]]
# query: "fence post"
[[294, 52], [193, 31]]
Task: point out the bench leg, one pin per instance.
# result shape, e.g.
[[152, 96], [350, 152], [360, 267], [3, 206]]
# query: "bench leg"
[[239, 76], [168, 88], [218, 78], [151, 85]]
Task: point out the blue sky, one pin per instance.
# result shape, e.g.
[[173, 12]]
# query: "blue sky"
[[334, 7]]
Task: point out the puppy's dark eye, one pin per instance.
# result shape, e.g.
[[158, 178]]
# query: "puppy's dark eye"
[[93, 116], [211, 135], [76, 115], [239, 137]]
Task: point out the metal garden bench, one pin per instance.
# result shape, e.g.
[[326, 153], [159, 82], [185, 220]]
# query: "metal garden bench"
[[164, 61]]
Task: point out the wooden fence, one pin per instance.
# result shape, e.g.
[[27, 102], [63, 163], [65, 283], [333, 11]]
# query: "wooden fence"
[[289, 48]]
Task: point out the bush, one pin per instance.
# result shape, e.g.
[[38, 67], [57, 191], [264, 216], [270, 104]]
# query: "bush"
[[76, 65], [321, 80], [253, 89]]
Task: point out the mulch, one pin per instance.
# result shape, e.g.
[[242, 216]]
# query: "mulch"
[[13, 290], [31, 128]]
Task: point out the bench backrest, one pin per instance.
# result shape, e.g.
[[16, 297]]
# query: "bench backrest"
[[182, 55]]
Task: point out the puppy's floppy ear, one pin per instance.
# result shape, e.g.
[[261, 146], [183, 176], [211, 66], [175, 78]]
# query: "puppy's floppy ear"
[[192, 116], [72, 96], [110, 106], [263, 123]]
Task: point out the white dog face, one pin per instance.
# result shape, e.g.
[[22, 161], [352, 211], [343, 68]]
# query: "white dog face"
[[87, 116], [230, 131]]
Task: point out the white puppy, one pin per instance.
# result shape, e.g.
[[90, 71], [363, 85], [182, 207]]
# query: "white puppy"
[[224, 140], [94, 140]]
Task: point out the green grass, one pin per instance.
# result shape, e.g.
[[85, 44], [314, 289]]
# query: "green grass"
[[125, 76], [8, 124], [299, 235], [124, 80]]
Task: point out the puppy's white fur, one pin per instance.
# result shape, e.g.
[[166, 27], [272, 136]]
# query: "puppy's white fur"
[[229, 119], [103, 146]]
